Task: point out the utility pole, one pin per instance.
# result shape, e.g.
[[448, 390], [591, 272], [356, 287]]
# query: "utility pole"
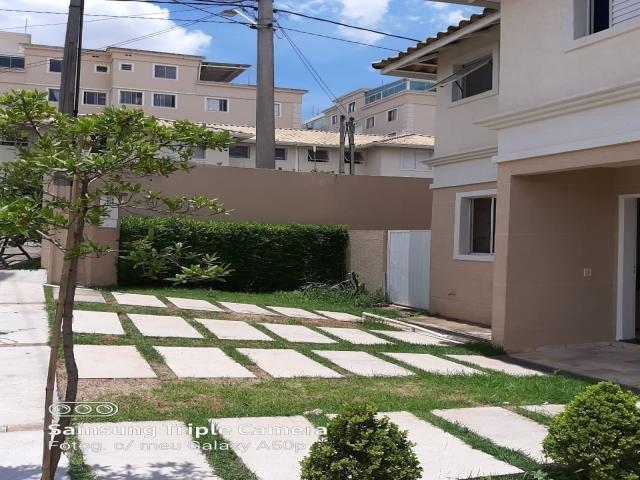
[[341, 152], [70, 76], [265, 117], [351, 130]]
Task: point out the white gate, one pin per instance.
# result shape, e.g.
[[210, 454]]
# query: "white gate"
[[408, 263]]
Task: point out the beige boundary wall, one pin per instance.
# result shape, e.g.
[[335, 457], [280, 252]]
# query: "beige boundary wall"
[[368, 206]]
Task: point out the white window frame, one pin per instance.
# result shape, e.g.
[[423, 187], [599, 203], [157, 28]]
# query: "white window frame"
[[334, 119], [462, 226], [106, 95], [248, 147], [153, 71], [49, 94], [351, 107], [49, 65], [279, 109], [95, 68], [373, 122], [133, 104], [286, 155], [389, 112], [133, 67], [153, 99], [217, 111]]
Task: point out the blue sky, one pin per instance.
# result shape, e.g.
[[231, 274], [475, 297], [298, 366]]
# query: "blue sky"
[[342, 66]]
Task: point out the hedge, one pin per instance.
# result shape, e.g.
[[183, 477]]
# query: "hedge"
[[263, 257]]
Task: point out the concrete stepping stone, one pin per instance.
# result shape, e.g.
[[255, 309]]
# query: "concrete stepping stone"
[[296, 313], [21, 292], [297, 333], [21, 457], [23, 324], [433, 364], [194, 304], [497, 364], [340, 316], [163, 326], [105, 323], [259, 439], [246, 308], [138, 300], [106, 361], [163, 451], [363, 363], [23, 377], [87, 295], [414, 338], [202, 362], [444, 456], [550, 410], [355, 336], [502, 427], [233, 330], [286, 363]]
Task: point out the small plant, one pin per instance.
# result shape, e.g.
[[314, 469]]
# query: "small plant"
[[361, 445], [598, 434], [351, 290]]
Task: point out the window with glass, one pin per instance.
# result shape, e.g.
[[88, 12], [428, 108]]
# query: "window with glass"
[[392, 115], [217, 105], [347, 157], [199, 153], [334, 119], [277, 109], [165, 71], [319, 155], [55, 65], [479, 79], [239, 151], [370, 122], [130, 98], [102, 69], [165, 100], [351, 107], [54, 95], [126, 67], [281, 153], [94, 98], [475, 225], [11, 61]]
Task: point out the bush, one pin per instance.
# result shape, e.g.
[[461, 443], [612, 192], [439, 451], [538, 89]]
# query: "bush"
[[263, 257], [598, 434], [359, 445], [352, 291]]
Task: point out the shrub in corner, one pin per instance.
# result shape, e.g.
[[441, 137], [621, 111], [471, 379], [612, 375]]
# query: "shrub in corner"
[[361, 445], [598, 434]]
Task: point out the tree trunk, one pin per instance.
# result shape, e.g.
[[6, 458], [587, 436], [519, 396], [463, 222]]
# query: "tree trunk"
[[63, 321]]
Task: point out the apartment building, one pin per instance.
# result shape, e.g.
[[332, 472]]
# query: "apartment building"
[[400, 107], [165, 85], [301, 150], [536, 176]]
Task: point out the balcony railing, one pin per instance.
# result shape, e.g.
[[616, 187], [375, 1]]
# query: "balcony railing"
[[394, 88]]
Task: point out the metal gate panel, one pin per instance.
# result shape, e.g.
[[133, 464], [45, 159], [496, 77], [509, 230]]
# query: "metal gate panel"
[[408, 264]]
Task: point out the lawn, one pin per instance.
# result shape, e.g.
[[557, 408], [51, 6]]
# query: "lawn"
[[196, 401]]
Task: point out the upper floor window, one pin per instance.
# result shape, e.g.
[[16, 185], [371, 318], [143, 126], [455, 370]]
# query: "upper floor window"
[[277, 109], [11, 61], [102, 68], [165, 71], [55, 65], [239, 151], [130, 98], [370, 122], [94, 98], [164, 100], [472, 79], [600, 14], [216, 105], [318, 155], [351, 107], [392, 115], [126, 67], [54, 95], [334, 119]]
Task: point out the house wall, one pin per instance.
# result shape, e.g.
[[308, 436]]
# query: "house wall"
[[460, 289], [367, 256]]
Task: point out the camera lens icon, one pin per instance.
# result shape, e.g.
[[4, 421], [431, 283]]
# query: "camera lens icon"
[[83, 409], [60, 409]]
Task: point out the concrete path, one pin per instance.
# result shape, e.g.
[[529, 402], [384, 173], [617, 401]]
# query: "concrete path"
[[271, 447], [163, 326], [295, 312], [23, 324], [433, 364], [502, 427], [233, 330], [103, 323], [22, 287], [354, 336], [413, 338], [285, 363], [143, 451], [550, 410], [87, 295], [106, 361], [246, 308], [194, 304], [202, 362], [497, 364], [444, 456], [21, 456], [137, 300], [363, 363], [297, 333], [340, 316]]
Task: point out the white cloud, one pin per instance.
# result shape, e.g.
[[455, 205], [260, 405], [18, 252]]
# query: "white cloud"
[[102, 33], [363, 13], [454, 17]]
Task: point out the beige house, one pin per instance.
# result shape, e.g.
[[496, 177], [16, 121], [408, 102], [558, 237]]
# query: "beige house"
[[165, 85], [301, 150], [536, 176], [397, 108]]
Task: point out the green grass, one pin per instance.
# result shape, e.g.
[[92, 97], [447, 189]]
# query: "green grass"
[[196, 401]]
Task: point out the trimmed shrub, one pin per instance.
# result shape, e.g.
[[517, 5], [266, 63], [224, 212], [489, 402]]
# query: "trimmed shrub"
[[263, 257], [598, 434], [361, 446]]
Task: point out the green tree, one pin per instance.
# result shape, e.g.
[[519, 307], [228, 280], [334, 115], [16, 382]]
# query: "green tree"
[[99, 156]]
